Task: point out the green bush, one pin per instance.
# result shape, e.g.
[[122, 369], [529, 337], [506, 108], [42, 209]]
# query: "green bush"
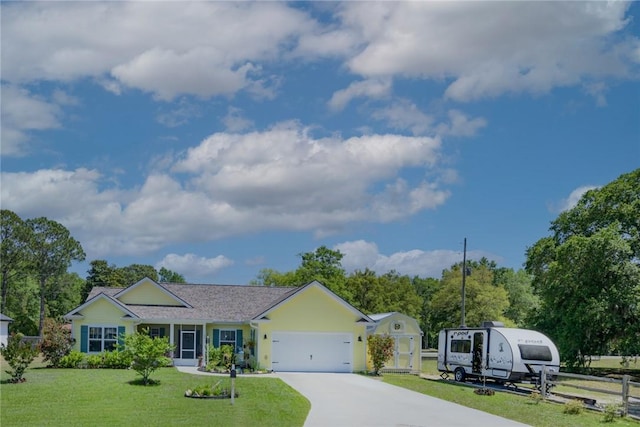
[[611, 411], [94, 361], [573, 407], [146, 353], [380, 349], [56, 342], [72, 360], [18, 355], [116, 360]]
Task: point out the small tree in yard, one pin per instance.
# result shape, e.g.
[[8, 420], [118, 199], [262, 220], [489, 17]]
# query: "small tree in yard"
[[56, 342], [19, 356], [380, 349], [147, 353]]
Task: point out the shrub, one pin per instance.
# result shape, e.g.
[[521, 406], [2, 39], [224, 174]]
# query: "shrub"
[[18, 355], [56, 342], [94, 361], [611, 411], [535, 397], [573, 407], [380, 349], [71, 360], [116, 359], [147, 354]]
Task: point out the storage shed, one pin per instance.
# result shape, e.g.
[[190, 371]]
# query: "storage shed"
[[4, 328], [408, 341]]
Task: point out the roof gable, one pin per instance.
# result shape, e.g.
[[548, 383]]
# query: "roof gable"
[[148, 292], [103, 300], [312, 287]]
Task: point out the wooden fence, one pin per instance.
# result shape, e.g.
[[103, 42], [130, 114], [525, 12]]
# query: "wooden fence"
[[628, 398]]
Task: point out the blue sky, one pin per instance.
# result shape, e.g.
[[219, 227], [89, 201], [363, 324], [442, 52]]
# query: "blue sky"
[[219, 138]]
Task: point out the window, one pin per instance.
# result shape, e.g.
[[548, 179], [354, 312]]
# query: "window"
[[535, 352], [228, 337], [460, 346], [102, 338]]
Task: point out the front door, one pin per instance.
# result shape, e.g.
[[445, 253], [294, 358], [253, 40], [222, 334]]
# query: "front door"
[[479, 352], [188, 345]]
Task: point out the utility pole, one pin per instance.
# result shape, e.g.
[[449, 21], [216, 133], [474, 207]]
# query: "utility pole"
[[464, 277]]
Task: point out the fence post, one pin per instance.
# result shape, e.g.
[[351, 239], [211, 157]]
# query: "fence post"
[[543, 382], [625, 395]]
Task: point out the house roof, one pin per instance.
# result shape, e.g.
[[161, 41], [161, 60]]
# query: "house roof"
[[222, 303], [5, 318]]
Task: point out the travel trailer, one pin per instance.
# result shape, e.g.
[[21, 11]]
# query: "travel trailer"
[[495, 352]]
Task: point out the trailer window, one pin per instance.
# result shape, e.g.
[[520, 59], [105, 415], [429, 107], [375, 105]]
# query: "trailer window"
[[535, 352], [460, 346]]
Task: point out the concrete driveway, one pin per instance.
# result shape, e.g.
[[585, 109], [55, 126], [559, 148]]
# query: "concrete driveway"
[[350, 400]]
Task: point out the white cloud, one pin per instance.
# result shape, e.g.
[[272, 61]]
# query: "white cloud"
[[234, 121], [194, 266], [22, 113], [490, 48], [279, 179], [361, 254], [460, 125], [371, 88], [404, 114], [572, 200]]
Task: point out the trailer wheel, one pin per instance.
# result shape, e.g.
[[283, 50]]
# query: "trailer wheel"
[[459, 374]]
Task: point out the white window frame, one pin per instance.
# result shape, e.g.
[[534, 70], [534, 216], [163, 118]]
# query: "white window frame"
[[228, 341], [102, 339]]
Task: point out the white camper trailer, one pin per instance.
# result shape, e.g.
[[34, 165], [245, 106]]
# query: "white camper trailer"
[[496, 352]]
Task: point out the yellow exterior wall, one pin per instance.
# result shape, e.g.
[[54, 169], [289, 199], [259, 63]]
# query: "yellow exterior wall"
[[148, 293], [312, 310], [100, 313]]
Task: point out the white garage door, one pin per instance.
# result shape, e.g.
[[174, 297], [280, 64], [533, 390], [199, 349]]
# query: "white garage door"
[[312, 352]]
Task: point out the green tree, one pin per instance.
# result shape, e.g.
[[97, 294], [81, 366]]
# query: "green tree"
[[365, 291], [325, 266], [147, 353], [381, 349], [14, 241], [64, 295], [399, 295], [104, 275], [135, 272], [483, 301], [271, 277], [523, 302], [56, 342], [426, 288], [587, 273], [169, 276], [52, 249], [18, 355]]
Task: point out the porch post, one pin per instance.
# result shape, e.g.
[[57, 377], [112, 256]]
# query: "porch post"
[[204, 344], [172, 340]]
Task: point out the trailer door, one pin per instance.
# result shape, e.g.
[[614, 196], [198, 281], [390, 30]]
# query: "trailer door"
[[479, 350]]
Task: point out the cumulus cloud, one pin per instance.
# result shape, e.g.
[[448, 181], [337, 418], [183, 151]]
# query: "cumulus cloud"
[[544, 45], [23, 112], [572, 200], [372, 88], [361, 254], [232, 184], [405, 115], [198, 267]]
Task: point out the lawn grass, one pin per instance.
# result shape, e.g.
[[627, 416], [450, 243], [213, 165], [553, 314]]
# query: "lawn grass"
[[507, 405], [106, 397]]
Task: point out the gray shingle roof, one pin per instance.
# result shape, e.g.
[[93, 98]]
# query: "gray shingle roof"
[[220, 303]]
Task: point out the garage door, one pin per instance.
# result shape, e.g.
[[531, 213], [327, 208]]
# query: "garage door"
[[312, 352]]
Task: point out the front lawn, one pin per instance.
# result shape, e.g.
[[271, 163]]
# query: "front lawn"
[[514, 407], [108, 397]]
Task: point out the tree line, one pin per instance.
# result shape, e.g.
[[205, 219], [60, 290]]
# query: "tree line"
[[580, 285]]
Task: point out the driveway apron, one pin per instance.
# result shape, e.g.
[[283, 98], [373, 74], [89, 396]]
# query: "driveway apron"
[[351, 400]]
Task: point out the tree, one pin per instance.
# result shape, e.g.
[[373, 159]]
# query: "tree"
[[135, 272], [324, 265], [102, 274], [56, 342], [522, 300], [398, 294], [13, 251], [169, 276], [271, 277], [425, 289], [365, 291], [52, 249], [18, 355], [587, 273], [483, 301], [381, 349], [147, 353]]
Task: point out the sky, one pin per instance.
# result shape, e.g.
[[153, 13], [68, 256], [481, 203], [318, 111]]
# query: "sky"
[[217, 139]]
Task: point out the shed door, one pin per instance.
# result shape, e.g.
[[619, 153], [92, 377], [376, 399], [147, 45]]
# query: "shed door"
[[312, 352]]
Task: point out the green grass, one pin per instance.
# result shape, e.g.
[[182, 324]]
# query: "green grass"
[[507, 405], [105, 397]]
